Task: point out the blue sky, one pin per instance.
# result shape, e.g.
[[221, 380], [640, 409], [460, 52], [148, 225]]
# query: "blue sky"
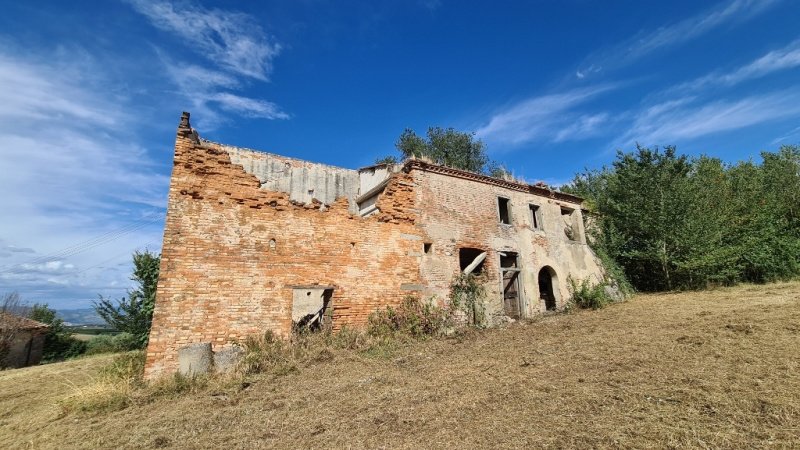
[[91, 94]]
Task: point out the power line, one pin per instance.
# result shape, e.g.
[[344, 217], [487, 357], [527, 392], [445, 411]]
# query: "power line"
[[89, 244]]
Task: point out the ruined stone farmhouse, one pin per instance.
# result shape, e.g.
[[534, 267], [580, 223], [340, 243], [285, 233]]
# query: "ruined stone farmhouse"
[[255, 241]]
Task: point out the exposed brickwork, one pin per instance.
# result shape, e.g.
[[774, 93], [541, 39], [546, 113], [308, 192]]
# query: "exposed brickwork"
[[234, 251]]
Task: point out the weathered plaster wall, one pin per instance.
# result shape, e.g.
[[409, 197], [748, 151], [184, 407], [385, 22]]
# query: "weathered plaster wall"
[[233, 251], [456, 213], [302, 180]]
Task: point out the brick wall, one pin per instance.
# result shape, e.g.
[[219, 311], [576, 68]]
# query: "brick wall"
[[233, 251]]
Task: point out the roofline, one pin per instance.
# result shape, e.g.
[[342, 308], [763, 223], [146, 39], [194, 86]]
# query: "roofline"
[[466, 175]]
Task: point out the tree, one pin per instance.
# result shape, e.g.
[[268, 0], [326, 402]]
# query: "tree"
[[134, 314], [674, 222], [445, 146], [58, 342]]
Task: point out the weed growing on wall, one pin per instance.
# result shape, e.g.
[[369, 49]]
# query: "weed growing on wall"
[[467, 295]]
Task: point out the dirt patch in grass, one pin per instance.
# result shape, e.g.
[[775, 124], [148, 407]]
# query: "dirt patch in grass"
[[711, 369]]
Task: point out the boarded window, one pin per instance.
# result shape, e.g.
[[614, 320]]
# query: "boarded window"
[[503, 210]]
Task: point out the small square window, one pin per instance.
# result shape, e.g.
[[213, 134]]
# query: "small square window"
[[426, 247]]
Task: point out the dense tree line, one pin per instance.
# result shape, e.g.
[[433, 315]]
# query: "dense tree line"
[[675, 222]]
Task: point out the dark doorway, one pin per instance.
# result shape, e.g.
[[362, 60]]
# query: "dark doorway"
[[509, 271], [547, 277]]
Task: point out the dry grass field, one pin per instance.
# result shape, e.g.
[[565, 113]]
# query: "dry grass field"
[[718, 369]]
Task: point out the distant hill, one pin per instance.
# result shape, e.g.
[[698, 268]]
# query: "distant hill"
[[81, 316]]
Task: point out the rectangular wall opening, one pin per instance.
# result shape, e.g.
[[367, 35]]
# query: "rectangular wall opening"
[[509, 273], [503, 210], [311, 308], [536, 217], [471, 260], [570, 224]]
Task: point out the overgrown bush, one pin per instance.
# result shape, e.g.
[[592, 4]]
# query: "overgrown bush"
[[413, 317], [268, 353], [467, 295], [588, 295], [106, 343], [671, 221]]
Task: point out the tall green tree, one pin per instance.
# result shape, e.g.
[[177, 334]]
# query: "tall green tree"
[[134, 314], [673, 222]]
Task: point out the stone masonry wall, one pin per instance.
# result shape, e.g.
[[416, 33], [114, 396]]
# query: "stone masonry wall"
[[233, 253]]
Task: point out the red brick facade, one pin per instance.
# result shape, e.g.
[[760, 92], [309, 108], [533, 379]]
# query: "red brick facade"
[[234, 252]]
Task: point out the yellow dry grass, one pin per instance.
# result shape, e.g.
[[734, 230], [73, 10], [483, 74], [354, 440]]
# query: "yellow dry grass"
[[717, 369]]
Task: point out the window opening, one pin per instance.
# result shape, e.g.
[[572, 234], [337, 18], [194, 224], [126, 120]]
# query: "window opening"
[[426, 247], [503, 210], [536, 217], [570, 229], [471, 260], [311, 308]]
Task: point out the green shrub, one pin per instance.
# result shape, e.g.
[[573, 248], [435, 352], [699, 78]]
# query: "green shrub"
[[413, 317], [106, 343], [267, 353], [61, 346], [467, 295], [587, 295]]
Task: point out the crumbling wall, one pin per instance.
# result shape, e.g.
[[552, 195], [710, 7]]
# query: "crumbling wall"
[[457, 212], [234, 251], [304, 181]]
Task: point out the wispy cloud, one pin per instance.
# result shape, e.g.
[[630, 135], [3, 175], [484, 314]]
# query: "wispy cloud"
[[232, 39], [688, 118], [552, 117], [72, 169], [237, 49], [646, 42], [782, 59], [792, 134]]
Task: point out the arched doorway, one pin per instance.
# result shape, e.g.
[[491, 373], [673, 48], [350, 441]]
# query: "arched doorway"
[[547, 287]]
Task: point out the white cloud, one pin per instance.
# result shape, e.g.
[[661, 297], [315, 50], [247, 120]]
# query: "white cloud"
[[792, 134], [236, 47], [72, 170], [646, 41], [248, 107], [774, 61], [687, 118], [231, 39], [552, 117]]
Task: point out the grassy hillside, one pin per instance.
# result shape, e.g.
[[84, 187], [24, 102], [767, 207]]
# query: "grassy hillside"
[[714, 369]]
